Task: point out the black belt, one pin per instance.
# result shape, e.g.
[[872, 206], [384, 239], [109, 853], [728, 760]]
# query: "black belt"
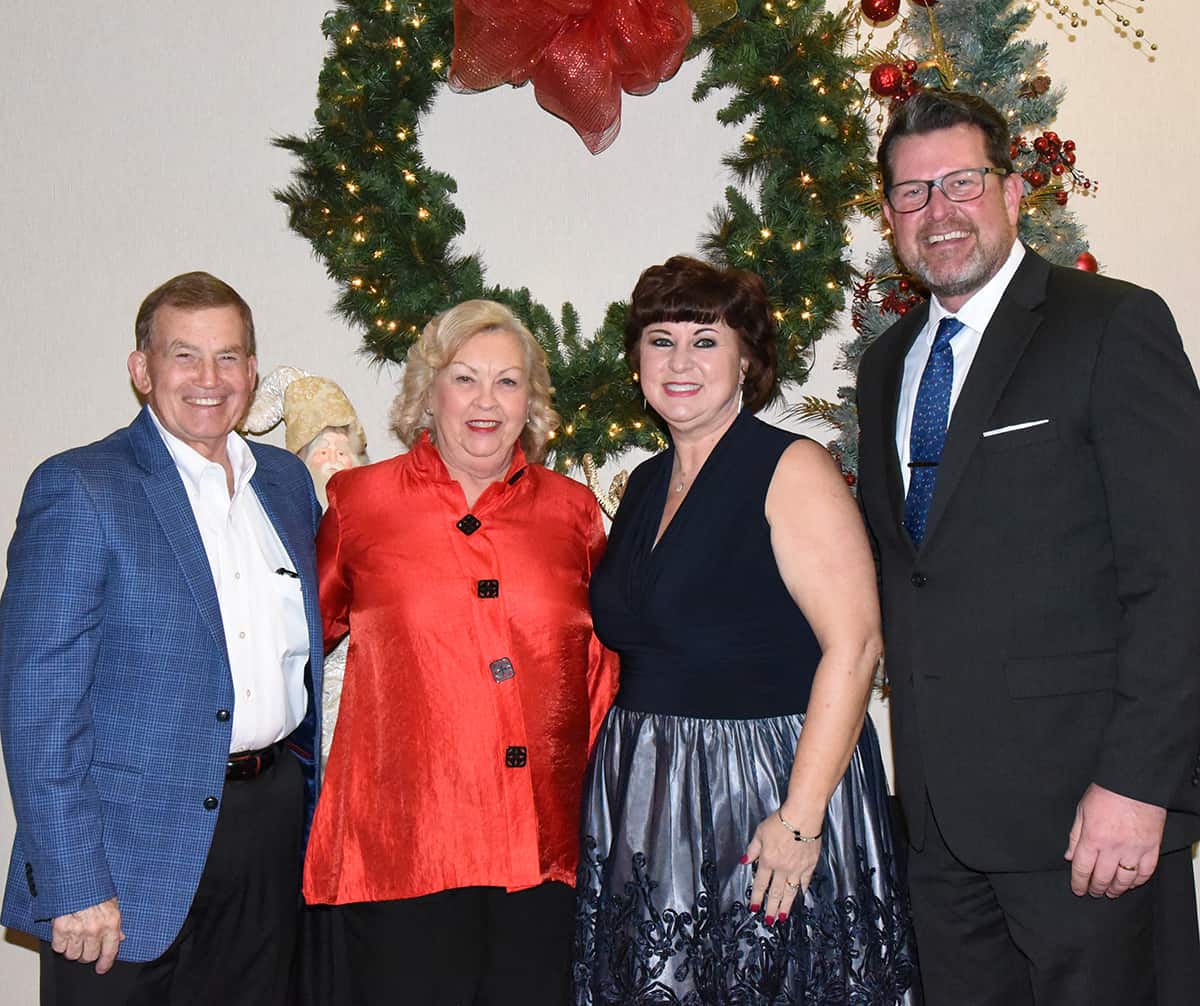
[[249, 764]]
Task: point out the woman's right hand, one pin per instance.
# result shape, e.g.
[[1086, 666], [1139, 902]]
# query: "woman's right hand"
[[785, 868]]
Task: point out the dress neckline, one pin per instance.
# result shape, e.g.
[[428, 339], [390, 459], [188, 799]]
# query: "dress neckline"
[[662, 488]]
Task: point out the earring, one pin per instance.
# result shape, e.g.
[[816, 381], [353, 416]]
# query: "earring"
[[429, 412]]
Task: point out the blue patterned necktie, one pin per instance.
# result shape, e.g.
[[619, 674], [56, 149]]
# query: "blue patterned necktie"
[[927, 437]]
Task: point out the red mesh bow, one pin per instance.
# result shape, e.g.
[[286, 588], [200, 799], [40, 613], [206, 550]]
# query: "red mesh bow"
[[580, 54]]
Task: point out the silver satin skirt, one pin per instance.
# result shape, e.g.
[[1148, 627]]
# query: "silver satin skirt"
[[663, 919]]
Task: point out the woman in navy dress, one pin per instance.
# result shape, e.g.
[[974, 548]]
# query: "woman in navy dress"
[[736, 839]]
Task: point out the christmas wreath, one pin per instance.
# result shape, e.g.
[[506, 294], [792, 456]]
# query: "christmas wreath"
[[384, 221]]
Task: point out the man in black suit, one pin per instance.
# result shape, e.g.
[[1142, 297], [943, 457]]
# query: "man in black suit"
[[1029, 475]]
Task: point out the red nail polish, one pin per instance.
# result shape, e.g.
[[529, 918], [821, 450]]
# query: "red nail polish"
[[782, 918], [754, 909], [769, 920], [744, 860]]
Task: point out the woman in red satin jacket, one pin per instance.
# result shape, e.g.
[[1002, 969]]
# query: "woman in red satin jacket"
[[448, 826]]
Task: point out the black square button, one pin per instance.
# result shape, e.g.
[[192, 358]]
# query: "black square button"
[[514, 757], [469, 524], [488, 588], [501, 669]]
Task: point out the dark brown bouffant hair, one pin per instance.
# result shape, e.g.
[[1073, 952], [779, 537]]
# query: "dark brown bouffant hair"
[[930, 110], [686, 289], [191, 291]]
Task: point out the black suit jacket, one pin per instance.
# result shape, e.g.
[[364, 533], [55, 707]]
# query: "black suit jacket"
[[1045, 635]]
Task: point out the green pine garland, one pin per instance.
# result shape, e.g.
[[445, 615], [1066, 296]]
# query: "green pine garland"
[[384, 221]]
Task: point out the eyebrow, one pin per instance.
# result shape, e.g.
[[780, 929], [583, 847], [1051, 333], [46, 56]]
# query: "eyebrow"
[[463, 363], [181, 344], [659, 328]]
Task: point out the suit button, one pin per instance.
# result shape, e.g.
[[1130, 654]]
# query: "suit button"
[[501, 669], [469, 524], [487, 588], [210, 803], [918, 579], [222, 715], [514, 757]]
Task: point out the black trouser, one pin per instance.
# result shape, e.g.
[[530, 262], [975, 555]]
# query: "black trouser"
[[1023, 939], [475, 946], [236, 944]]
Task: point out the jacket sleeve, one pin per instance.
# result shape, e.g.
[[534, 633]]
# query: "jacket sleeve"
[[51, 616], [1146, 434], [334, 589]]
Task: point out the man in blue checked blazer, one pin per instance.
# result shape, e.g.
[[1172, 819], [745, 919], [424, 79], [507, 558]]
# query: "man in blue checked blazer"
[[160, 647]]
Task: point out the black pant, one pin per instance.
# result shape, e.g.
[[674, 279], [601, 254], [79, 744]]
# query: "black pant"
[[475, 946], [1023, 939], [236, 944]]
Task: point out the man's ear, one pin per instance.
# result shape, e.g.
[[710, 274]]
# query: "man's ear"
[[139, 372], [1014, 192]]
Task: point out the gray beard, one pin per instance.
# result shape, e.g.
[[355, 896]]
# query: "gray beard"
[[973, 274]]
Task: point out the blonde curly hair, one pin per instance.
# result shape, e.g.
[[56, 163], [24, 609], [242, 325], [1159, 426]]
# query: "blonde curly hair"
[[440, 342]]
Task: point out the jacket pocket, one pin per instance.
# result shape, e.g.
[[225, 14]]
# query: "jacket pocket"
[[1021, 438], [1064, 674], [115, 783]]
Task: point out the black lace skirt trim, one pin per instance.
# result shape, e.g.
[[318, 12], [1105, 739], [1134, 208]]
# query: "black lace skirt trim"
[[663, 913]]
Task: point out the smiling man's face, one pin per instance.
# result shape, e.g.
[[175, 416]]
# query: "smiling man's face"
[[197, 375], [954, 248]]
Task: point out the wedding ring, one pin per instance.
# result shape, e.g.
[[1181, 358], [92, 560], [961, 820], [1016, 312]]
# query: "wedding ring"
[[790, 886], [1124, 867]]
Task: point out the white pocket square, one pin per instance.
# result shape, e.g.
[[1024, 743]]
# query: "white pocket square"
[[1015, 426]]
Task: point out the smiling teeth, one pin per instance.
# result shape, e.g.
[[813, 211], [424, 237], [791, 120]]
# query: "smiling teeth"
[[206, 401], [934, 239], [682, 387], [489, 424]]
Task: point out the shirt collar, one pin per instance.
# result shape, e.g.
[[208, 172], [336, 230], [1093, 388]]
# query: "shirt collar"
[[982, 304], [192, 464]]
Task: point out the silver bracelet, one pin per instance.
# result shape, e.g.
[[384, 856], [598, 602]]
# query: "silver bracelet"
[[795, 833]]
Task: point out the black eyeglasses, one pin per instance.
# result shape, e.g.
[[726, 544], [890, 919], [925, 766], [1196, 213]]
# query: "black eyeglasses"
[[958, 186]]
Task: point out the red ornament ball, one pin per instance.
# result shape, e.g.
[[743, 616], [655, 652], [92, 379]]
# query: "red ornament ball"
[[1087, 262], [910, 66], [880, 10], [1060, 197], [1058, 168], [886, 79]]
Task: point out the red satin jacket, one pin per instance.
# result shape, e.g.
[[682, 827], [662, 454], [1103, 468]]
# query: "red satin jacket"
[[474, 683]]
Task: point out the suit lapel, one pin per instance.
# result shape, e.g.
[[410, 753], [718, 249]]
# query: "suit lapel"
[[1000, 349], [168, 499]]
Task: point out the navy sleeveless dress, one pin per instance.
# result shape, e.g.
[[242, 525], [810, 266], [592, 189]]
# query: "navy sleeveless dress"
[[716, 666]]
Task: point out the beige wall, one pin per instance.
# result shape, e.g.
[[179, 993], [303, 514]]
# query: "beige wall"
[[136, 147]]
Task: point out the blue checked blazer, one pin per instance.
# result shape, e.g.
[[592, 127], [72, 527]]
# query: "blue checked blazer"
[[112, 669]]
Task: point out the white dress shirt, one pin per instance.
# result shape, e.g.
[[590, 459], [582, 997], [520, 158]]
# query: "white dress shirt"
[[975, 315], [262, 610]]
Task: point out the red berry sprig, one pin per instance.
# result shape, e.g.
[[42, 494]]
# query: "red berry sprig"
[[1048, 157]]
